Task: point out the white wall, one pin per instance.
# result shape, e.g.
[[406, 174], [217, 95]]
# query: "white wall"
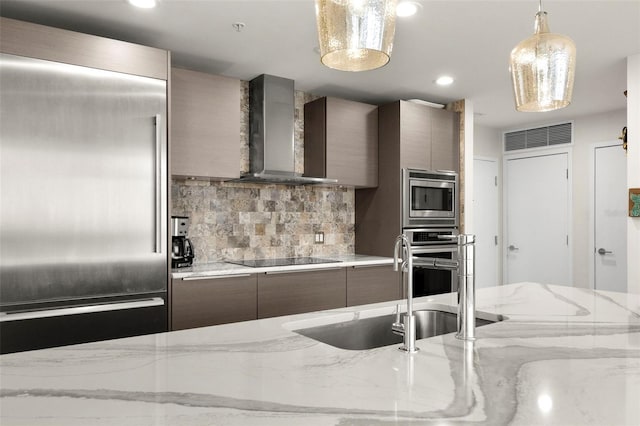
[[588, 130], [487, 142], [633, 169]]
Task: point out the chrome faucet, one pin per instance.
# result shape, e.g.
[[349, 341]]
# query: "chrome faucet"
[[466, 284], [464, 267], [466, 288], [407, 326]]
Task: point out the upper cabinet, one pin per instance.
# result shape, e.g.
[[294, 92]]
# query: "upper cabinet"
[[409, 135], [444, 140], [205, 125], [341, 141], [54, 44], [426, 137]]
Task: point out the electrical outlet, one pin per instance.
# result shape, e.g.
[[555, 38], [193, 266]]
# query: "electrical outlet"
[[319, 238]]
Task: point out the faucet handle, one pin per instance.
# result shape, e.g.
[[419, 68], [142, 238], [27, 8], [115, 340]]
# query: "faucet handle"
[[397, 327]]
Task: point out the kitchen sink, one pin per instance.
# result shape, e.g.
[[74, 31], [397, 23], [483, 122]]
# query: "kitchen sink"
[[375, 332]]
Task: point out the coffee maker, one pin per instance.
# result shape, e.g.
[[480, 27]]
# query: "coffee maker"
[[181, 248]]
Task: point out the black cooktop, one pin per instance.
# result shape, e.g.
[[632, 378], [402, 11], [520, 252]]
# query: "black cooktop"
[[287, 261]]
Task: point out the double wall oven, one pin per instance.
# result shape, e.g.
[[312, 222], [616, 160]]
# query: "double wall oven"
[[429, 220]]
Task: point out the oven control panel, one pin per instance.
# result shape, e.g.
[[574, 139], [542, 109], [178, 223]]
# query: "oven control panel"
[[430, 236]]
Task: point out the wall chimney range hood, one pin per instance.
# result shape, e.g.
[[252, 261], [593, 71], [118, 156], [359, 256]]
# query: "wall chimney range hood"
[[271, 133]]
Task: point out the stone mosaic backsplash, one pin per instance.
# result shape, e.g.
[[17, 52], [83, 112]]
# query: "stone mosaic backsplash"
[[237, 221], [240, 221]]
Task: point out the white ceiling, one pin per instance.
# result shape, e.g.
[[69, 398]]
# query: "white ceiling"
[[470, 40]]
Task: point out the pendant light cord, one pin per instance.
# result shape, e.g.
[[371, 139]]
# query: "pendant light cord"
[[539, 5]]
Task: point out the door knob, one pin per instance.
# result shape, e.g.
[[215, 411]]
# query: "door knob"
[[603, 251], [513, 248]]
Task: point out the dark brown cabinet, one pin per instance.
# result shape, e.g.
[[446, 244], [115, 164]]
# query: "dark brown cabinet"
[[425, 136], [286, 293], [444, 140], [205, 125], [211, 301], [202, 302], [410, 132], [54, 44], [372, 284], [341, 141], [409, 135]]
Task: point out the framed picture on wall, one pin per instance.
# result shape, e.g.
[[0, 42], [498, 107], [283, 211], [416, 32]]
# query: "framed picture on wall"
[[634, 202]]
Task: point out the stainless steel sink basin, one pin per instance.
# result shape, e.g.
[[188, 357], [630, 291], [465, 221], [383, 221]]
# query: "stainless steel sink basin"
[[375, 332]]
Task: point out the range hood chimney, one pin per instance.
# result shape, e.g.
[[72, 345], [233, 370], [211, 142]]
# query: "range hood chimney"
[[271, 133]]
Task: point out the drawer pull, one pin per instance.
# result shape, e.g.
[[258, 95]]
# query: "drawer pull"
[[214, 277], [371, 266], [302, 270]]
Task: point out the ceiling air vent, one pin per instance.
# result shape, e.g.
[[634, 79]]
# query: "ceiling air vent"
[[558, 134]]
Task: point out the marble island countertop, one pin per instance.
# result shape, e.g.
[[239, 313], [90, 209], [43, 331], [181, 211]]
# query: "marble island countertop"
[[226, 268], [563, 356]]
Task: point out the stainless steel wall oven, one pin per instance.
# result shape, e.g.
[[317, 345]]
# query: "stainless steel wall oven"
[[429, 217], [433, 243]]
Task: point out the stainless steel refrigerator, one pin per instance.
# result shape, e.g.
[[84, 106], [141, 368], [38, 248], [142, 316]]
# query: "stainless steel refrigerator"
[[83, 204]]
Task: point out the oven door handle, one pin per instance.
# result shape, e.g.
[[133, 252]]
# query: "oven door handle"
[[434, 249], [435, 263]]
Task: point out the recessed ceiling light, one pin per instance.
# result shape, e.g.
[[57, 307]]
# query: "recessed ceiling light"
[[444, 80], [144, 4], [406, 8]]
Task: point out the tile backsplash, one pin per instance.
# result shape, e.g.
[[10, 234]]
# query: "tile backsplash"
[[254, 221], [249, 221]]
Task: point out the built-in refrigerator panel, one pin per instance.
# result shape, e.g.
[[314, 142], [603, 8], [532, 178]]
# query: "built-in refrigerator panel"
[[83, 182]]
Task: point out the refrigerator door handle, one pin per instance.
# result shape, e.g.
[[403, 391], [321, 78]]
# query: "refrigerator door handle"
[[86, 309], [158, 185]]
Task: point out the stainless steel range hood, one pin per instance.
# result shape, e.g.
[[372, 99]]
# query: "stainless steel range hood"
[[271, 133]]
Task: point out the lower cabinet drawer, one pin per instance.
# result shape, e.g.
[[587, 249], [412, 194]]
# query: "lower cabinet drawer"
[[372, 284], [203, 302], [213, 301], [298, 292]]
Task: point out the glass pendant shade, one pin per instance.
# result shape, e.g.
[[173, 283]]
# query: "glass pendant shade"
[[355, 35], [542, 69]]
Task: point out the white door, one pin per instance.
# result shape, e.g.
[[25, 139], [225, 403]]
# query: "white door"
[[610, 218], [486, 215], [537, 217]]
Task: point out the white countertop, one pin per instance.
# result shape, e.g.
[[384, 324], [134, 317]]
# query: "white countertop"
[[225, 268], [564, 356]]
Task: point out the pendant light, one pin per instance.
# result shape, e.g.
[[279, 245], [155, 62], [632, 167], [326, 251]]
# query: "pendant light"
[[542, 69], [355, 35]]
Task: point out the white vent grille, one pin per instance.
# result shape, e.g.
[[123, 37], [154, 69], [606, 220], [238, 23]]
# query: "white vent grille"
[[558, 134]]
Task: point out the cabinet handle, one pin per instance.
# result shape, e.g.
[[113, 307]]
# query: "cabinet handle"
[[158, 184], [369, 266], [301, 270], [214, 277], [76, 310]]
